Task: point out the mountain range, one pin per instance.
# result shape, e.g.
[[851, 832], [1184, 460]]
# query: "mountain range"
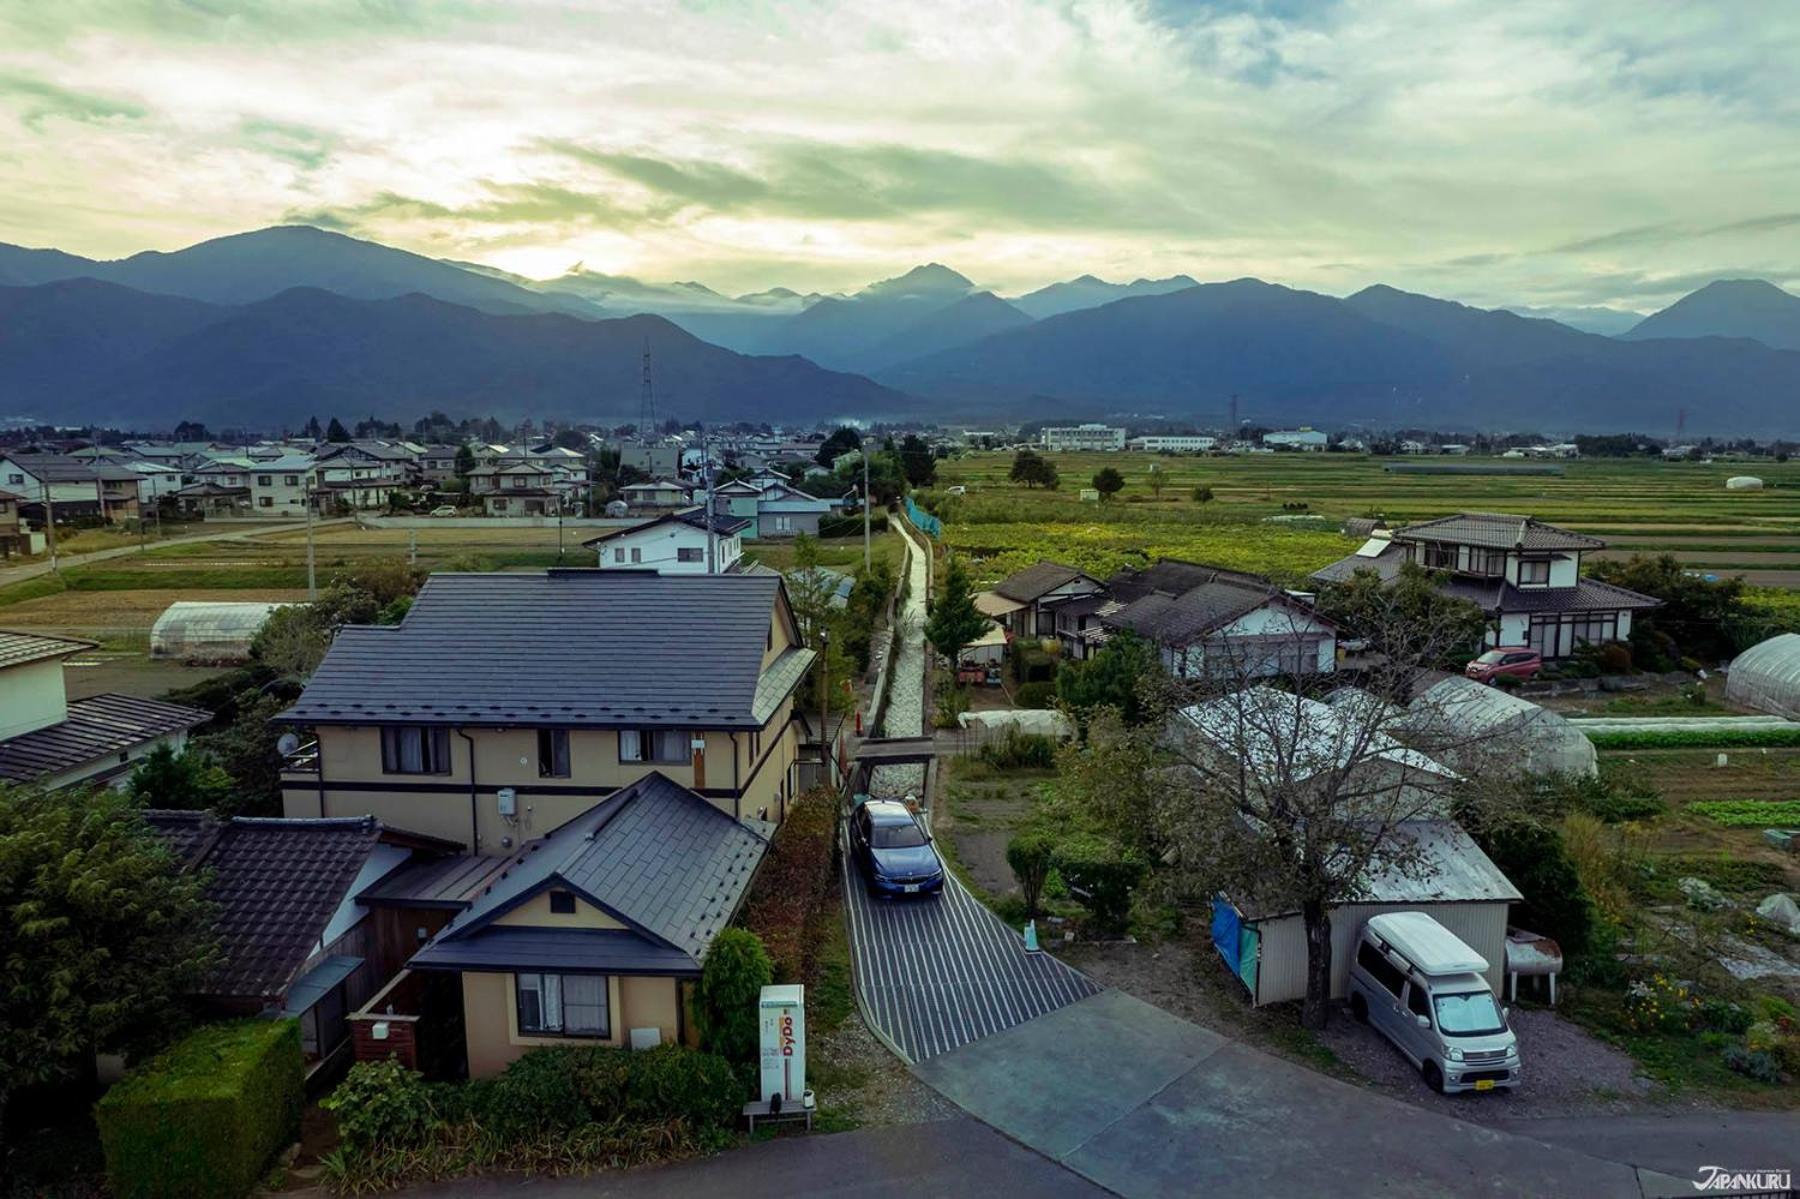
[[276, 325]]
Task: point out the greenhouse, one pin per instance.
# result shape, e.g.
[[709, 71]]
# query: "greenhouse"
[[1767, 676], [208, 632], [1495, 726]]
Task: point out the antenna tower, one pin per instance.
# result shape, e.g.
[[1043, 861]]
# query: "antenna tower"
[[1680, 421], [1234, 417], [646, 400]]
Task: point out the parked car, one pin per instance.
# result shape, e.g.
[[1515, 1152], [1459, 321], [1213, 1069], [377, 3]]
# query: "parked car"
[[1426, 991], [1518, 661], [443, 510], [894, 852]]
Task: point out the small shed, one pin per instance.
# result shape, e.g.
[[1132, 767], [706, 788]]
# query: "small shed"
[[1484, 725], [1767, 676], [1454, 882], [208, 632]]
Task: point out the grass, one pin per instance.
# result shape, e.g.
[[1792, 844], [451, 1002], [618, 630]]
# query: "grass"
[[1750, 813]]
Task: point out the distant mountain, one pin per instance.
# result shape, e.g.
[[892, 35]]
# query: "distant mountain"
[[1381, 356], [87, 350], [1608, 322], [246, 267], [1090, 292], [1729, 308], [22, 267], [967, 319]]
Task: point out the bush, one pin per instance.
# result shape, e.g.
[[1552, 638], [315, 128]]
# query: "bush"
[[1660, 1004], [1102, 875], [1614, 658], [792, 884], [1753, 1063], [1041, 694], [1615, 802], [737, 968], [1031, 854], [1014, 750], [1203, 495], [1721, 1015], [1555, 903], [206, 1117], [382, 1103]]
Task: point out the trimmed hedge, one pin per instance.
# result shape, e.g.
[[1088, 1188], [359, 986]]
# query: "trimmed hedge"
[[206, 1117], [793, 882], [1723, 738]]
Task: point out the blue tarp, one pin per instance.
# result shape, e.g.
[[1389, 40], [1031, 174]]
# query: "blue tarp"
[[1236, 944], [924, 521]]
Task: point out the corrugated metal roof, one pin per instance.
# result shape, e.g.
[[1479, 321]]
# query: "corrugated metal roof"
[[1444, 865], [583, 648], [447, 882], [17, 649], [660, 857], [98, 726]]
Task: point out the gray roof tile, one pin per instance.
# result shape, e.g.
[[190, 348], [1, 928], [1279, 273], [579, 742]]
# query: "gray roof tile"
[[98, 726]]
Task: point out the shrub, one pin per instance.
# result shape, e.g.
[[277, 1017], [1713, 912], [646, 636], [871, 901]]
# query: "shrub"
[[1031, 854], [1040, 694], [737, 968], [382, 1103], [1614, 658], [792, 884], [1616, 802], [1015, 750], [1659, 1004], [1721, 1015], [1753, 1063], [204, 1118], [1203, 495], [852, 526], [1101, 874], [535, 1094], [672, 1082], [1555, 903]]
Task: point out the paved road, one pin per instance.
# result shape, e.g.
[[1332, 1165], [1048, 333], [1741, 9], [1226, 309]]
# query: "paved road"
[[904, 715], [958, 1159], [934, 974], [18, 574], [1148, 1105]]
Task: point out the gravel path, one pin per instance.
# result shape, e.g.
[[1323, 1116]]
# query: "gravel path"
[[905, 712]]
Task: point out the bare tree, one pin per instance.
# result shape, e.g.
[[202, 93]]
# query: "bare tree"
[[1275, 797]]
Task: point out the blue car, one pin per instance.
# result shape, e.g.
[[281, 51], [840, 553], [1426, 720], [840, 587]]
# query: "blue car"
[[894, 852]]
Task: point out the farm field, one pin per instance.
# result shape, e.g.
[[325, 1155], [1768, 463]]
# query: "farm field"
[[1280, 513]]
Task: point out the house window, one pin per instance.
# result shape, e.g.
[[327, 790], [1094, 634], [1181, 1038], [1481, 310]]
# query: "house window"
[[618, 553], [637, 555], [290, 480], [755, 744], [15, 478], [499, 505], [518, 482], [265, 501], [553, 753], [784, 524], [563, 1005], [689, 553], [655, 745], [414, 749], [1440, 557], [265, 480], [1534, 571], [1487, 562], [562, 903]]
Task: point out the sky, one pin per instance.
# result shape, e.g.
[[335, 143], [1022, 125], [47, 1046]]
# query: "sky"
[[1531, 152]]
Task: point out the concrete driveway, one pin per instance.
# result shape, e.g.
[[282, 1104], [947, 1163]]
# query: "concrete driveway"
[[1146, 1104]]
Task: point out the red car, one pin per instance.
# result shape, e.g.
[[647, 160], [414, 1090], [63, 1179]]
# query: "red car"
[[1521, 662]]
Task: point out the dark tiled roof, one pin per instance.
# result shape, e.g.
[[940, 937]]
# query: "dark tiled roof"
[[508, 947], [61, 468], [1387, 565], [99, 726], [584, 648], [188, 834], [1182, 619], [724, 525], [1588, 595], [1172, 576], [276, 885], [16, 649], [1497, 530], [1034, 581], [658, 856]]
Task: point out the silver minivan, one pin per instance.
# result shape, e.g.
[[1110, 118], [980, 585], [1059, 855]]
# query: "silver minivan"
[[1427, 992]]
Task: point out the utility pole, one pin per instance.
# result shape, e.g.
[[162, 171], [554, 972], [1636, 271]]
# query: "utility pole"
[[868, 560], [312, 583], [706, 477], [50, 522]]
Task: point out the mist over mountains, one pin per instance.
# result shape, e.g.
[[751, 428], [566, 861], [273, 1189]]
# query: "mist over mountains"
[[270, 327]]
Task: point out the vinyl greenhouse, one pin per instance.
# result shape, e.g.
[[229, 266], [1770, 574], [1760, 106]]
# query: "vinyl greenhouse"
[[208, 632], [1767, 676]]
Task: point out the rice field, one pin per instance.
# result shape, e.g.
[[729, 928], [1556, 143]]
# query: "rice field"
[[1280, 513]]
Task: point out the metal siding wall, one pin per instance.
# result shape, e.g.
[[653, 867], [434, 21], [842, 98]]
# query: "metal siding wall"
[[1283, 971]]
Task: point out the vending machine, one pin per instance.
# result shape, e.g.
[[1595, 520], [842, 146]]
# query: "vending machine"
[[783, 1012]]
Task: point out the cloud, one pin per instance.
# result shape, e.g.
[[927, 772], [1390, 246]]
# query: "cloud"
[[37, 102]]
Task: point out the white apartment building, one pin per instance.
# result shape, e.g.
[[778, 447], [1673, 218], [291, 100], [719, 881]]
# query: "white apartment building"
[[1084, 437], [1176, 444]]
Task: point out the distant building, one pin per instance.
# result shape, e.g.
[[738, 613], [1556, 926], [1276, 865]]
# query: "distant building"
[[1172, 444], [1297, 439], [1454, 450], [674, 543], [1084, 437], [658, 459]]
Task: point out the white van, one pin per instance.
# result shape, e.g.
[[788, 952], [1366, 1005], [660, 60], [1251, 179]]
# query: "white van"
[[1427, 992]]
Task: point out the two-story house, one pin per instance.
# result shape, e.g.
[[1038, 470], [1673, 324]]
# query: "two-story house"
[[447, 725], [281, 486], [774, 508], [51, 741], [71, 486], [1524, 574], [518, 489], [1026, 602], [674, 543]]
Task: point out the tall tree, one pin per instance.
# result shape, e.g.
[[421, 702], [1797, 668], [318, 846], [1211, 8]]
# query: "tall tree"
[[100, 934], [917, 461], [1108, 482], [465, 463], [1033, 470], [1110, 678], [336, 432], [843, 439], [954, 620], [810, 592], [190, 781]]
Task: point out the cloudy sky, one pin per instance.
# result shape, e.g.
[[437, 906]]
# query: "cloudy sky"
[[1553, 152]]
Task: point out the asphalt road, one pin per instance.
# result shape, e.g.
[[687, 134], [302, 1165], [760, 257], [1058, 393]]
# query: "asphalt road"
[[18, 574]]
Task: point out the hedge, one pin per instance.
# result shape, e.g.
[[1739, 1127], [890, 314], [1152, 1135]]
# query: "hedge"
[[793, 882], [206, 1117], [1721, 738]]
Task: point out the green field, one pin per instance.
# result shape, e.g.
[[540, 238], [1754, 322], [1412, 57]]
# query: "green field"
[[1638, 505]]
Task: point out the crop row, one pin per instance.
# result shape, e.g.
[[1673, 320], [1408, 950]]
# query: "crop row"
[[1750, 813], [1721, 738]]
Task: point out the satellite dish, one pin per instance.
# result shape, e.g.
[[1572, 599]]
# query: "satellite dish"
[[287, 743]]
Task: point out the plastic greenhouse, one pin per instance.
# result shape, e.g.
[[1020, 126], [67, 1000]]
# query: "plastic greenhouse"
[[1767, 676], [1499, 727], [208, 632]]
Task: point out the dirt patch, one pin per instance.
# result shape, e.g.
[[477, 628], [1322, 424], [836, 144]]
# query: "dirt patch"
[[854, 1075], [982, 852]]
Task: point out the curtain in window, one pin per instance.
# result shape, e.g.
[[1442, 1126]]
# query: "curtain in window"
[[584, 1004], [672, 746], [631, 746]]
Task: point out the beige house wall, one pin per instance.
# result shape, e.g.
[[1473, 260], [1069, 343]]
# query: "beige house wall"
[[491, 1018], [508, 758], [535, 913]]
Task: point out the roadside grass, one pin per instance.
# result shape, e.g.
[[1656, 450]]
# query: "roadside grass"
[[1665, 705], [839, 553], [1690, 1065]]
